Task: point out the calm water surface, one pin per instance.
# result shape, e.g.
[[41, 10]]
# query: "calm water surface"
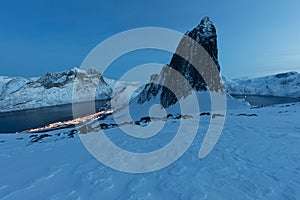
[[257, 100], [18, 121], [11, 122]]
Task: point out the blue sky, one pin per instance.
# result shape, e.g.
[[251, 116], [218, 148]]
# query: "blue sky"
[[255, 37]]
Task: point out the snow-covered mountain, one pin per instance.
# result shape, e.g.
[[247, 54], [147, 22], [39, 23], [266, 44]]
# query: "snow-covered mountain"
[[281, 85], [49, 90], [55, 89], [18, 93]]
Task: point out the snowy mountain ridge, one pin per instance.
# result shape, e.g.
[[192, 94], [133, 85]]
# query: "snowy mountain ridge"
[[281, 85], [17, 93], [53, 89]]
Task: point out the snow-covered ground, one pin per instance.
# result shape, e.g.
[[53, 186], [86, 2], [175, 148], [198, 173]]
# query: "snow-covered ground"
[[256, 157], [281, 85]]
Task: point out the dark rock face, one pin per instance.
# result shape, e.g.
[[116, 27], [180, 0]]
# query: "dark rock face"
[[247, 115], [62, 78], [196, 60], [56, 79], [285, 75]]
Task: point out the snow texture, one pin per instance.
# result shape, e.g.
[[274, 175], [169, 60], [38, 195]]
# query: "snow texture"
[[256, 157]]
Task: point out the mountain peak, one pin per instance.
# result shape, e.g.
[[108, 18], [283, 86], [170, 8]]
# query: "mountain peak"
[[206, 28], [205, 35]]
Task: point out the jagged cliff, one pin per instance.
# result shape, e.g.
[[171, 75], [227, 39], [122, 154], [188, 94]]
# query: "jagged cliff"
[[196, 60]]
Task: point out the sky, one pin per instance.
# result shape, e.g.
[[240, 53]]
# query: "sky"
[[255, 38]]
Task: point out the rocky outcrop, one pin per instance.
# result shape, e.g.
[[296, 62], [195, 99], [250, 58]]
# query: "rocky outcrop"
[[51, 80], [196, 60], [60, 79]]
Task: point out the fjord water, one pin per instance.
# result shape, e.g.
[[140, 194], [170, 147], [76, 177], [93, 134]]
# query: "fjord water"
[[11, 122], [17, 121], [259, 100]]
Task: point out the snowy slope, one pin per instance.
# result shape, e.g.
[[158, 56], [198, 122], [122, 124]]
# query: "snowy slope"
[[49, 90], [256, 158], [55, 89], [283, 85], [9, 85]]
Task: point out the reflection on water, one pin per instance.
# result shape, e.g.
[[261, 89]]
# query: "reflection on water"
[[59, 125], [18, 121]]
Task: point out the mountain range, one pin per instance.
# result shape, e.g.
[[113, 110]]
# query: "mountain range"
[[53, 89], [17, 93]]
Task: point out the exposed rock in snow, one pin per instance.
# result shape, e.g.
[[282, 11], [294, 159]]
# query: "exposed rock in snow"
[[189, 59], [281, 85]]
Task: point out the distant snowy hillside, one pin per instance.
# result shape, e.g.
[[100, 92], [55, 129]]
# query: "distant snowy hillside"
[[282, 85], [54, 89], [10, 85]]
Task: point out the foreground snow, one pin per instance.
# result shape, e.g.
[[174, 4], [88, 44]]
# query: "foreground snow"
[[256, 157]]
